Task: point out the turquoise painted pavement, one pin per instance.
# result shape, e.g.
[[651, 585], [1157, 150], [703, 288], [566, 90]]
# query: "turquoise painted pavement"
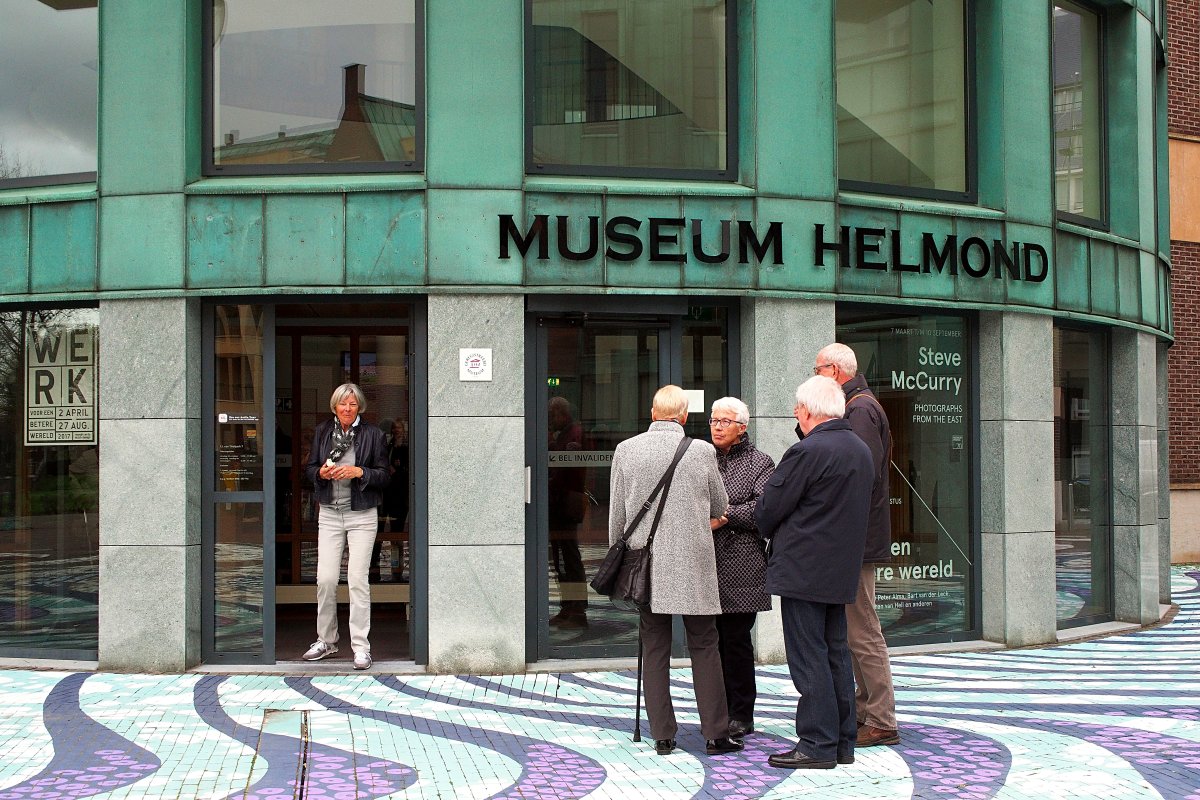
[[1109, 718]]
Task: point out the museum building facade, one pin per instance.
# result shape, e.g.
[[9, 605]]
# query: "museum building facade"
[[510, 222]]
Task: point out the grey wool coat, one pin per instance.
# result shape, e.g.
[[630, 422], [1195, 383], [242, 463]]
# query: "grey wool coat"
[[683, 575]]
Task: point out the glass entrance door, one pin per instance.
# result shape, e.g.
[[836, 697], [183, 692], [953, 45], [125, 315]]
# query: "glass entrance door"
[[311, 360], [272, 370], [595, 382]]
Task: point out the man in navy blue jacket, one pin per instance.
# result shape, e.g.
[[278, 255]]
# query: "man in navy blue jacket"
[[814, 510]]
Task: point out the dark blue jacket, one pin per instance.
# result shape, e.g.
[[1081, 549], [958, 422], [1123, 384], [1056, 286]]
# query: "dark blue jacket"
[[815, 510], [370, 453]]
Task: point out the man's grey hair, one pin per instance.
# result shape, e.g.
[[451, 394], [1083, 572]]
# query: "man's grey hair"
[[740, 410], [841, 355], [340, 393], [822, 396]]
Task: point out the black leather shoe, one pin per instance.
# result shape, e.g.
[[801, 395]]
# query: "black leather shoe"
[[794, 759], [715, 747], [844, 758], [738, 729], [664, 746]]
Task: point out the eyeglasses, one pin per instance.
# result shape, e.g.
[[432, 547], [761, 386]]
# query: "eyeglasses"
[[722, 424], [817, 369]]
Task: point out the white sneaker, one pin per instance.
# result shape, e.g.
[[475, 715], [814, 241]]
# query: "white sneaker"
[[318, 650], [362, 660]]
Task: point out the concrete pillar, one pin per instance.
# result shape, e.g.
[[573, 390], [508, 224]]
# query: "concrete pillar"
[[1135, 438], [780, 339], [476, 487], [149, 485], [1016, 424], [1164, 481]]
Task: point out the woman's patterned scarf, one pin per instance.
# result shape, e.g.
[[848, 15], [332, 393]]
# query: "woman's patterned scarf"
[[342, 440]]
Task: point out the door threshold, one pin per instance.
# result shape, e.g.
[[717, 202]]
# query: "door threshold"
[[339, 667]]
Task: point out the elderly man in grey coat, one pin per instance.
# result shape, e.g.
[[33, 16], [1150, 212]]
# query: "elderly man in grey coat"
[[683, 574]]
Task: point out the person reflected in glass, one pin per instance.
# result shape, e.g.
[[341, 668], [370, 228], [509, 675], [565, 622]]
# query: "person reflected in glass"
[[395, 495], [568, 505], [741, 556], [348, 467]]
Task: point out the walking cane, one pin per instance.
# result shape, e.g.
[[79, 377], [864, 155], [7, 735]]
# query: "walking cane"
[[637, 713]]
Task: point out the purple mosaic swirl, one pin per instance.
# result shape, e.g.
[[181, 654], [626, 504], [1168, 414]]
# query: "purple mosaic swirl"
[[947, 762], [746, 774], [548, 770], [1168, 763], [105, 762], [331, 772]]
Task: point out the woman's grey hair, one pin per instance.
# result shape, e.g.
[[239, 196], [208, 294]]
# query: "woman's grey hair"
[[841, 355], [740, 410], [340, 393], [822, 397]]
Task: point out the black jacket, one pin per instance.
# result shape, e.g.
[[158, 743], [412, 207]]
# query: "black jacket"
[[815, 510], [370, 453], [868, 420]]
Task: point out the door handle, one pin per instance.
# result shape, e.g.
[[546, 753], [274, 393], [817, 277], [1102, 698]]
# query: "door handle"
[[528, 485]]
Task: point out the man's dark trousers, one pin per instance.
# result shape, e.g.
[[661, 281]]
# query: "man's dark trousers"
[[814, 635]]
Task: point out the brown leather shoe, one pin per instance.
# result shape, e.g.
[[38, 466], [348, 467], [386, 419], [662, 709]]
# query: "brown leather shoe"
[[871, 737]]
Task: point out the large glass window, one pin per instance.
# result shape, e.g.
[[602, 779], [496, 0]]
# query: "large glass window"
[[49, 482], [310, 86], [1078, 111], [1082, 526], [48, 60], [919, 367], [902, 94], [631, 87]]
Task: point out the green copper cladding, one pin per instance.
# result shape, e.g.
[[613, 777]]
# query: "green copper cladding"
[[154, 223]]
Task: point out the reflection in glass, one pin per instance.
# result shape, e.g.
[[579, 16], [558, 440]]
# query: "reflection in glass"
[[308, 82], [1078, 140], [1083, 528], [627, 84], [901, 93], [49, 508], [238, 392], [238, 592], [48, 57], [928, 590], [601, 382]]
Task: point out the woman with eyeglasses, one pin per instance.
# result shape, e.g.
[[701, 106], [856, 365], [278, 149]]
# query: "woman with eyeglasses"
[[741, 556]]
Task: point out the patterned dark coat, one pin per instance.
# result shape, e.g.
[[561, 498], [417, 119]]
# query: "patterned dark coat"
[[741, 563]]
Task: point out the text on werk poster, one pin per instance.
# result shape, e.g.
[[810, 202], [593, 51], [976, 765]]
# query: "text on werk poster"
[[60, 386]]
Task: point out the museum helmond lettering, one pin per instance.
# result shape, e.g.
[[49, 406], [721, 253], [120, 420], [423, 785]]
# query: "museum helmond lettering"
[[863, 248], [666, 241], [623, 240]]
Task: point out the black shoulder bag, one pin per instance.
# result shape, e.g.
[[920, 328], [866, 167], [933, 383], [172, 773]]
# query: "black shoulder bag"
[[624, 574]]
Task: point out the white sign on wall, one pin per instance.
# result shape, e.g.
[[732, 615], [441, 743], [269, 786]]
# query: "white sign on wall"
[[475, 363], [60, 386]]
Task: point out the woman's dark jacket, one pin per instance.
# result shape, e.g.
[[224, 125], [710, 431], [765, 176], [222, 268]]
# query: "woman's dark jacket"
[[741, 563], [370, 453], [815, 510], [866, 417]]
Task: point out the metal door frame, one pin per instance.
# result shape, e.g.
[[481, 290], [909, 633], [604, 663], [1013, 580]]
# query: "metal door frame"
[[668, 314], [418, 383]]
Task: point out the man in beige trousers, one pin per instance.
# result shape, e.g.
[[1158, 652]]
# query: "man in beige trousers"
[[874, 695]]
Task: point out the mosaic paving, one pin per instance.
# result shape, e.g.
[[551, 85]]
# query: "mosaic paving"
[[1111, 718]]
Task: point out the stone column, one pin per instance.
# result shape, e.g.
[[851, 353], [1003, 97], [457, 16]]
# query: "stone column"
[[1135, 436], [150, 485], [1164, 482], [477, 570], [780, 339], [1016, 480]]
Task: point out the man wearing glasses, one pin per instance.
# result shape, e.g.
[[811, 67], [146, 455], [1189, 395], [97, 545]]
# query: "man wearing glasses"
[[874, 695]]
